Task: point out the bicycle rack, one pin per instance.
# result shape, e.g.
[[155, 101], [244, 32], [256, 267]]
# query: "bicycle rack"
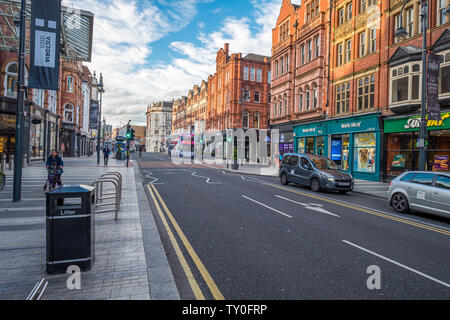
[[38, 290], [115, 179]]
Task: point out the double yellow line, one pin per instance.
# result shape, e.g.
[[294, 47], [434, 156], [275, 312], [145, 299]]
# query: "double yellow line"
[[198, 263], [365, 210]]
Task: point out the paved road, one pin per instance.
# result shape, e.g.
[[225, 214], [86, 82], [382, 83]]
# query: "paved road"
[[244, 237]]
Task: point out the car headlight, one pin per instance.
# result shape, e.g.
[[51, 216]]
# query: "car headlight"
[[329, 178]]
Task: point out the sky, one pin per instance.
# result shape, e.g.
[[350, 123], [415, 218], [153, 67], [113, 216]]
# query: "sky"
[[152, 50]]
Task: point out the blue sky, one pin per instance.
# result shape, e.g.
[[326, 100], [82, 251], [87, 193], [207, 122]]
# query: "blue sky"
[[159, 49]]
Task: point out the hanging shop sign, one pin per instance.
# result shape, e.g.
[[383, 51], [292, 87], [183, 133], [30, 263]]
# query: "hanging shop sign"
[[45, 31], [433, 107], [413, 124], [94, 113]]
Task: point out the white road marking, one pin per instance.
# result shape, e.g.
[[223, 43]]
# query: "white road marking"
[[311, 206], [399, 264], [23, 209], [27, 199], [154, 179], [207, 179], [266, 206]]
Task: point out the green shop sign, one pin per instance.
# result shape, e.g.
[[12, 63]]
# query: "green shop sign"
[[413, 124], [310, 130]]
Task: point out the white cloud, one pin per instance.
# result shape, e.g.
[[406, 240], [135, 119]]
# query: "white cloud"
[[125, 30]]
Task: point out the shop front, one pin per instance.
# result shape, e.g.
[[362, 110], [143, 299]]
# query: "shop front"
[[311, 139], [68, 140], [402, 152], [355, 145], [37, 134]]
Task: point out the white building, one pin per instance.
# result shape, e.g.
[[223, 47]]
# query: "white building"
[[159, 126]]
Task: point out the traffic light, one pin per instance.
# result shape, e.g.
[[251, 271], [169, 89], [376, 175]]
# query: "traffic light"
[[128, 135], [132, 135]]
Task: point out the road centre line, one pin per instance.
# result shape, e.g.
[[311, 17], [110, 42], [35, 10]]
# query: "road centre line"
[[200, 266], [266, 206], [309, 206], [398, 264], [374, 212], [187, 270]]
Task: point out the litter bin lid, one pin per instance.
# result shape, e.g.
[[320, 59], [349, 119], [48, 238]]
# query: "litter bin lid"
[[81, 188]]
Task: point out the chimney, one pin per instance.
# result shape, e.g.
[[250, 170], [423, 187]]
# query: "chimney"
[[227, 48]]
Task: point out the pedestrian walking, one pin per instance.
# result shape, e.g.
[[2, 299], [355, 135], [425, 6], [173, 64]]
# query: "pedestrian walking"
[[140, 151], [106, 153]]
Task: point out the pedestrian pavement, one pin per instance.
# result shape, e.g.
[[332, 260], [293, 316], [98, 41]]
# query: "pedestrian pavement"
[[372, 188], [126, 251]]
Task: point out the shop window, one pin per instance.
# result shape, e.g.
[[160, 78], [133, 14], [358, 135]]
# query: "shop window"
[[365, 152], [405, 83], [444, 74], [320, 146], [301, 145], [366, 93], [343, 98], [310, 147]]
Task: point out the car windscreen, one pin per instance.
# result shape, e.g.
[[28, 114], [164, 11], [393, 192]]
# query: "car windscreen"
[[324, 163]]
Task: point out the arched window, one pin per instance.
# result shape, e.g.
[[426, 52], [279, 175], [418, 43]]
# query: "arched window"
[[68, 113], [280, 106], [12, 79], [246, 120], [308, 96], [256, 120], [315, 96], [300, 100], [274, 108]]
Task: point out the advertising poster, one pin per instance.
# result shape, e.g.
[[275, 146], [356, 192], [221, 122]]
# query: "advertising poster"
[[441, 163], [399, 161], [336, 148], [94, 115]]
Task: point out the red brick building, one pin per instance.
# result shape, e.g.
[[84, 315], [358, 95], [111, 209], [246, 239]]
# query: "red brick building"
[[237, 75]]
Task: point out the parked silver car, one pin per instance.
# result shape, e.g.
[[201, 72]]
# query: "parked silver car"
[[424, 191]]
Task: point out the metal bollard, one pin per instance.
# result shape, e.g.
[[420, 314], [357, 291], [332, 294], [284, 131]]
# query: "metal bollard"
[[3, 162], [11, 162], [24, 160]]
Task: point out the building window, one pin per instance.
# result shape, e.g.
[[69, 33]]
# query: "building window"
[[282, 66], [68, 113], [11, 79], [309, 50], [285, 104], [307, 101], [246, 96], [257, 97], [341, 16], [246, 119], [315, 96], [287, 63], [302, 54], [245, 73], [444, 74], [340, 54], [405, 82], [373, 40], [256, 120], [441, 16], [300, 101], [372, 3], [343, 98], [70, 84], [410, 22], [269, 76], [366, 93], [280, 106], [362, 44], [259, 75], [348, 52], [362, 6], [252, 74], [349, 11], [316, 47]]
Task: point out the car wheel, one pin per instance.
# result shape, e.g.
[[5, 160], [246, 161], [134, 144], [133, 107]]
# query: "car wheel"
[[315, 185], [400, 203], [284, 179]]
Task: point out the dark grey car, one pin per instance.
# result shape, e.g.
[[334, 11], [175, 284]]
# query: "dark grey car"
[[316, 172]]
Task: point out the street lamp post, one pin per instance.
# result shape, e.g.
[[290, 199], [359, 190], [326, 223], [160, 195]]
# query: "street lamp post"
[[17, 188], [101, 90], [401, 34]]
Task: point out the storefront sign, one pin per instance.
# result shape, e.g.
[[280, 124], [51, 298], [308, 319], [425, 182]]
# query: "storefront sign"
[[354, 125], [441, 163], [413, 124], [94, 115], [310, 130], [45, 29], [433, 107]]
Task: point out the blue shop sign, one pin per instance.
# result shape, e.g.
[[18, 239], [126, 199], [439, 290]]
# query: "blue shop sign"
[[355, 124], [310, 130]]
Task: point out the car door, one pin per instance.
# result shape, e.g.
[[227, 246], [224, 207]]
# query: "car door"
[[440, 196], [303, 171], [293, 169], [419, 191], [286, 167]]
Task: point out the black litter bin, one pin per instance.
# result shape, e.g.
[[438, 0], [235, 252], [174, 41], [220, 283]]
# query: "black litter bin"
[[70, 228]]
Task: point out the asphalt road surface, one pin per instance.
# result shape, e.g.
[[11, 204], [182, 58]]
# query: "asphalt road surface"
[[238, 237]]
